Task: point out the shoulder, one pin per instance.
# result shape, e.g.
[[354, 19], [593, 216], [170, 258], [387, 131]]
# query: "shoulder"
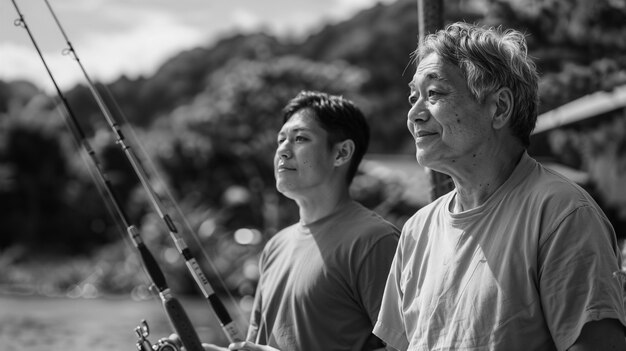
[[428, 213], [359, 229], [559, 208], [280, 239], [355, 215], [549, 191]]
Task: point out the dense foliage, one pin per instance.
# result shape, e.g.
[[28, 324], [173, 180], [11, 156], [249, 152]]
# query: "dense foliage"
[[205, 126]]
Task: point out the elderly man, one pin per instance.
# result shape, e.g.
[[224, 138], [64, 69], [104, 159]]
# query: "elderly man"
[[516, 257]]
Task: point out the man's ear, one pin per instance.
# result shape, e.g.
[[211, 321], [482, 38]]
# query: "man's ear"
[[345, 150], [504, 107]]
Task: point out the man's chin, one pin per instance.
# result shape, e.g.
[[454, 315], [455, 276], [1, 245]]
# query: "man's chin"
[[423, 159], [284, 188]]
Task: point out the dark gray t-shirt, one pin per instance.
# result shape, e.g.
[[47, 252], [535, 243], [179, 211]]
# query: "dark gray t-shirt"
[[321, 284]]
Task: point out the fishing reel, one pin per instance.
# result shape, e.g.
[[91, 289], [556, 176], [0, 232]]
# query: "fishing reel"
[[164, 344]]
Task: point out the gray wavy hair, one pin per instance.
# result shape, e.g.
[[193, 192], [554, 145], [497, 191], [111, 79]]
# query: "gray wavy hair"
[[491, 58]]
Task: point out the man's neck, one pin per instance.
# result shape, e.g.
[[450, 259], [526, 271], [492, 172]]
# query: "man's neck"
[[321, 205], [476, 188]]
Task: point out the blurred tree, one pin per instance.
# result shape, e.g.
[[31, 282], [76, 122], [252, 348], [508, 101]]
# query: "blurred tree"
[[15, 95], [34, 199]]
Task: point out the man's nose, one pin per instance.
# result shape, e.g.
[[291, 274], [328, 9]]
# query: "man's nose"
[[283, 151], [417, 112]]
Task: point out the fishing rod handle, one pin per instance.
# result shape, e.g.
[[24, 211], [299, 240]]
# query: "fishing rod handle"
[[233, 332], [148, 260], [230, 328], [177, 315], [181, 323]]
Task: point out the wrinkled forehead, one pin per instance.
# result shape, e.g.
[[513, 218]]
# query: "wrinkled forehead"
[[433, 68]]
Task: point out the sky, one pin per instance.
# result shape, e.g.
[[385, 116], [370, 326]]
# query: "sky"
[[134, 37]]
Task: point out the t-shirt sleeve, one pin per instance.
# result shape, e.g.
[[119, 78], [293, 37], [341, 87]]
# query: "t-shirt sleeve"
[[389, 326], [373, 273], [577, 262]]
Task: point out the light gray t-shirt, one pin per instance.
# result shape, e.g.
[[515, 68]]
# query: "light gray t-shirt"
[[321, 285], [524, 271]]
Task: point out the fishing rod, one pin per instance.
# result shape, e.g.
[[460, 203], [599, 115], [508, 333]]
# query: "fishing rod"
[[175, 311], [228, 324]]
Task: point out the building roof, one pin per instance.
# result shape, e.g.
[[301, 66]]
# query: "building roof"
[[585, 107]]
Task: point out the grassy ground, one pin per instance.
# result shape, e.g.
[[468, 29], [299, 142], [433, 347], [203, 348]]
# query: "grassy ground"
[[29, 323]]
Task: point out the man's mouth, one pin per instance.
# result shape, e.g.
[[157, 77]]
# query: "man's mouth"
[[283, 168], [423, 133]]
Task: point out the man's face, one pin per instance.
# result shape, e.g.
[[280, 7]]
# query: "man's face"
[[448, 125], [303, 162]]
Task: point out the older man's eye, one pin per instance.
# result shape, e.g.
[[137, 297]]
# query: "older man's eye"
[[432, 93]]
